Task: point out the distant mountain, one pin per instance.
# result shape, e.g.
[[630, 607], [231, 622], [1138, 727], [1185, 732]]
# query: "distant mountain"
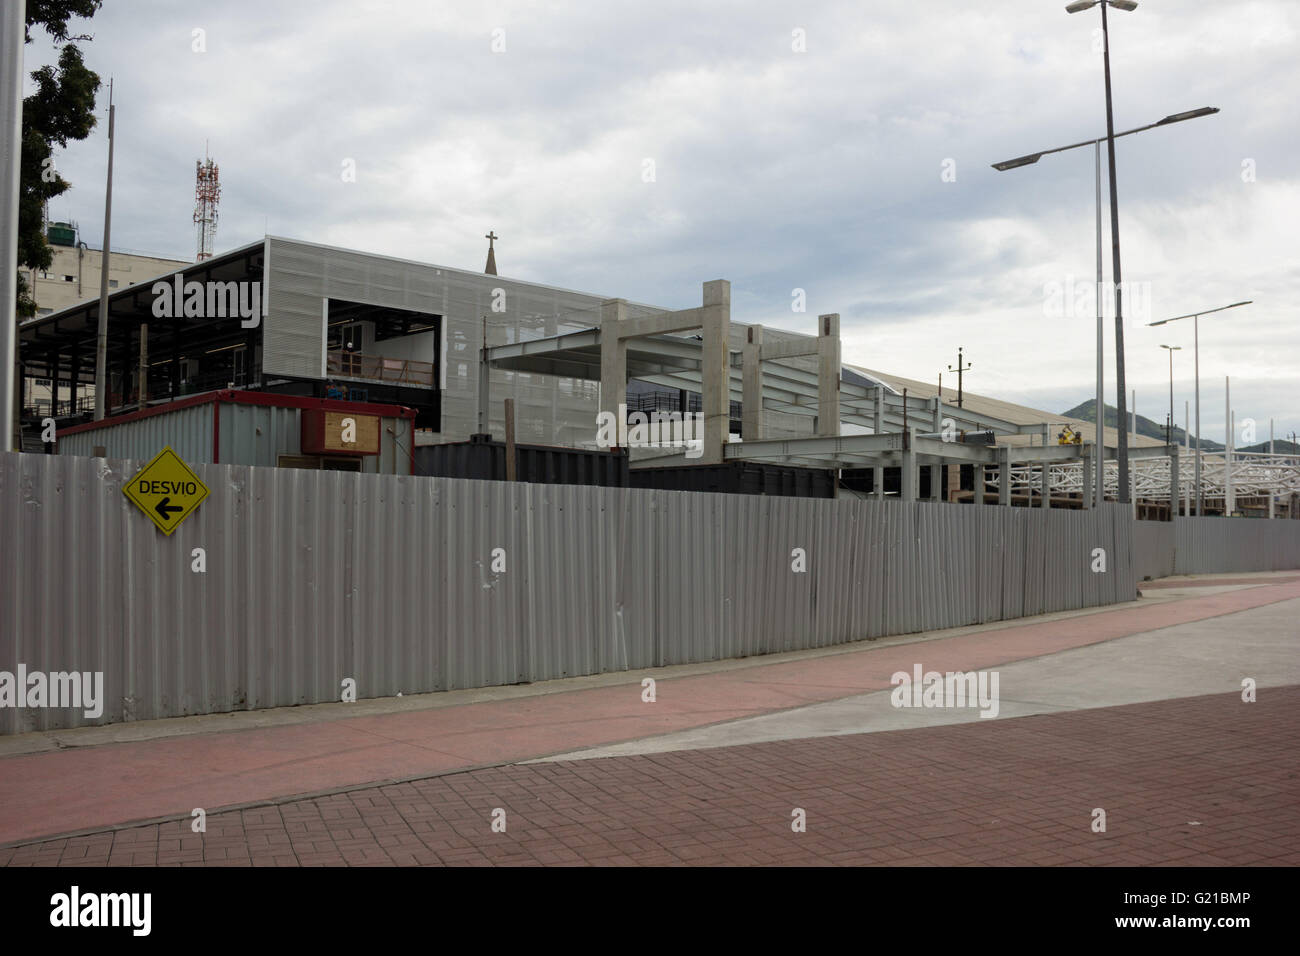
[[1145, 426], [1156, 430]]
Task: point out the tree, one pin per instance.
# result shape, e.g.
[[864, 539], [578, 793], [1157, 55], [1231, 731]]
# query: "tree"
[[61, 108]]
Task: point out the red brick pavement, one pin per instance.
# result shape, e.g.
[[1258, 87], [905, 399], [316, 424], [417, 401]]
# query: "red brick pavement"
[[1207, 781], [152, 779]]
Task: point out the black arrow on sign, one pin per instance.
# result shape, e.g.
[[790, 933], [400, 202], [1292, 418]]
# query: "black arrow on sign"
[[162, 508]]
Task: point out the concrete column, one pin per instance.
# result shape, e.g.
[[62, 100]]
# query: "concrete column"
[[907, 478], [484, 382], [936, 471], [1004, 476], [1173, 482], [878, 426], [715, 392], [613, 360], [1089, 465], [752, 425], [828, 374]]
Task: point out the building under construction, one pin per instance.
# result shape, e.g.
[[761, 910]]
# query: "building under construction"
[[305, 321]]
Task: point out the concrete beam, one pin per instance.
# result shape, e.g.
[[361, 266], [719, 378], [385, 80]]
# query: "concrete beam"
[[790, 348], [681, 321]]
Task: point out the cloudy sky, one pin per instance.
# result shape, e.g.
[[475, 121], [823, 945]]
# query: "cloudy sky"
[[639, 149]]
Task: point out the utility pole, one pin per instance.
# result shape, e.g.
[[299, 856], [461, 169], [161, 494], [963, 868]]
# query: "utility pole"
[[13, 22], [959, 371], [101, 339]]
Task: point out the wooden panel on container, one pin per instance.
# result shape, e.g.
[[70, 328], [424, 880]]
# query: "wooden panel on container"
[[324, 433]]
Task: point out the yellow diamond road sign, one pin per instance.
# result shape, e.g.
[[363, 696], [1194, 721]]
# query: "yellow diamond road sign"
[[166, 490]]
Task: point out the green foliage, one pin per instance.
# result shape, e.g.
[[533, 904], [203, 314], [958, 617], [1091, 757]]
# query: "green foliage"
[[61, 108]]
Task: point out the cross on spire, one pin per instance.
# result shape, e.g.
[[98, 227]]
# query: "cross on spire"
[[491, 267]]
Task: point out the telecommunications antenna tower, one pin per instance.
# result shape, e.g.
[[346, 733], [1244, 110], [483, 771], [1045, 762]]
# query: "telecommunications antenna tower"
[[207, 191]]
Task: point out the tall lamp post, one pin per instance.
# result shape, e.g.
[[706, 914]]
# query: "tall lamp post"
[[1078, 7], [1029, 160], [1196, 353], [1169, 429]]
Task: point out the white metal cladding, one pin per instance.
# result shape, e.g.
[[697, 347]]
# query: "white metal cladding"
[[548, 410], [313, 577]]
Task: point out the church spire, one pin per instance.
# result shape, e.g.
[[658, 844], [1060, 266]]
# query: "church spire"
[[491, 267]]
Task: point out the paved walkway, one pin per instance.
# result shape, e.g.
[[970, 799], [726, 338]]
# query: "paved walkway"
[[161, 778], [1208, 781]]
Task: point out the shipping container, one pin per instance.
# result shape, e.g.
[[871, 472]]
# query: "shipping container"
[[483, 458], [250, 428], [739, 478]]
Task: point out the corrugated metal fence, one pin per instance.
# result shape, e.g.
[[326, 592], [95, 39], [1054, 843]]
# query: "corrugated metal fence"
[[1153, 549], [316, 576], [1218, 545]]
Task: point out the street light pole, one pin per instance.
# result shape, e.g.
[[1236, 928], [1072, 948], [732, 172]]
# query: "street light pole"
[[1196, 345], [1029, 160], [1169, 430], [1115, 259], [1099, 406]]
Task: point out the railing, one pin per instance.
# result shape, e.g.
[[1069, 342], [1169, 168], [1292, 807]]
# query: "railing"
[[47, 408], [378, 368], [662, 401]]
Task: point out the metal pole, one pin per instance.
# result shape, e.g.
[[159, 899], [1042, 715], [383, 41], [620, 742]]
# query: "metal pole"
[[1169, 435], [1133, 418], [1115, 265], [1228, 501], [1196, 339], [1101, 402], [12, 29], [1271, 452], [101, 341], [1187, 447]]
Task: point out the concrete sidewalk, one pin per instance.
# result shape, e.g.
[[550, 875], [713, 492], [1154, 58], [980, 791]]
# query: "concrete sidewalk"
[[85, 788]]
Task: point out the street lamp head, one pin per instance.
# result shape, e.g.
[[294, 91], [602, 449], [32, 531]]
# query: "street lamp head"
[[1021, 161], [1127, 5], [1189, 114], [1080, 5]]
